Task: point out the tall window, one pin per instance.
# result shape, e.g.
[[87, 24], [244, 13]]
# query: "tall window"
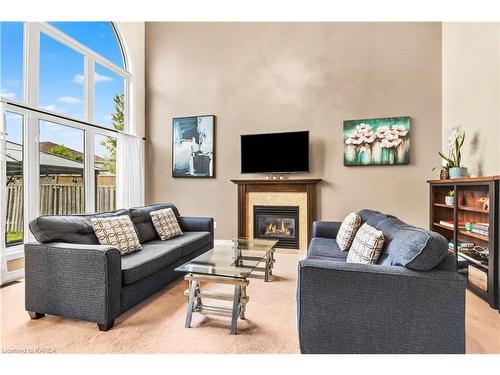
[[11, 68], [14, 223], [62, 160], [61, 109]]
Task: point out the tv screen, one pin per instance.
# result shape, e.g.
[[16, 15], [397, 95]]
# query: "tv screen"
[[275, 152]]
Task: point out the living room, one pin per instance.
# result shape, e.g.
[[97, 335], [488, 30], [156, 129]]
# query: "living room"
[[188, 186]]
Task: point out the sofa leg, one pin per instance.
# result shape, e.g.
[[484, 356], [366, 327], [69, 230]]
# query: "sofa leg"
[[34, 315], [107, 326]]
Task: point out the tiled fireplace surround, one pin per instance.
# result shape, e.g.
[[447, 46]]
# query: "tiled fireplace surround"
[[301, 193]]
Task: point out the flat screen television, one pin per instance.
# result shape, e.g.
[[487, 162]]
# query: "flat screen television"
[[275, 152]]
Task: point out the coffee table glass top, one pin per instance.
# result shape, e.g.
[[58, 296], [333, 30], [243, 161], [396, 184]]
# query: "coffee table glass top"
[[236, 258]]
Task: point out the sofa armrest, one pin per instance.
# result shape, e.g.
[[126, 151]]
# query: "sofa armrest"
[[196, 224], [78, 281], [356, 308], [326, 229]]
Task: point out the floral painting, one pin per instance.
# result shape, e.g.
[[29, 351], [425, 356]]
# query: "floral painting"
[[381, 141]]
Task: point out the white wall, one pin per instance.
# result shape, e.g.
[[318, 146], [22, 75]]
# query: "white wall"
[[132, 34], [471, 92]]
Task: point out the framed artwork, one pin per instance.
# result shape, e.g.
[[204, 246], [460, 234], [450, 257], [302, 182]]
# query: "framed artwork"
[[193, 146], [379, 141]]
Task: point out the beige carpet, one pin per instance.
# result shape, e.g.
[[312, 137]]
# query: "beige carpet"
[[157, 324]]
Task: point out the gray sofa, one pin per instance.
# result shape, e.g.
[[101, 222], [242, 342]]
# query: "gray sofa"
[[69, 274], [413, 301]]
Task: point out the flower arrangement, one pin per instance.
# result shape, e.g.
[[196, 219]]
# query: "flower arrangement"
[[384, 144], [455, 143], [454, 158]]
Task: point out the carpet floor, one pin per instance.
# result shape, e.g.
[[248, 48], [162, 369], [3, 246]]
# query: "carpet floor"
[[157, 324]]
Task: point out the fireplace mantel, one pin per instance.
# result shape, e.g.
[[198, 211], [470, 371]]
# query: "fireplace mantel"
[[303, 181], [246, 187]]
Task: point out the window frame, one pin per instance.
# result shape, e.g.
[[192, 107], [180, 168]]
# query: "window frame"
[[32, 118]]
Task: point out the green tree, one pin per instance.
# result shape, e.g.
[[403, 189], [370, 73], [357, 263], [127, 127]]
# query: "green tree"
[[118, 123], [62, 150]]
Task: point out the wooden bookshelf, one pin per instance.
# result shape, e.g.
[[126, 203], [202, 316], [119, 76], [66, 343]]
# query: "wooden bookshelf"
[[469, 208]]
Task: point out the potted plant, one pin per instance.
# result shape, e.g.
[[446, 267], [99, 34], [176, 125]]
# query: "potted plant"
[[449, 199], [454, 158]]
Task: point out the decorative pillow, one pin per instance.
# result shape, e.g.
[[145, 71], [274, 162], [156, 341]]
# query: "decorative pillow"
[[117, 231], [166, 224], [348, 230], [366, 246]]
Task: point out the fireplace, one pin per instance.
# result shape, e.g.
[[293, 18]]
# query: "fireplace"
[[277, 222]]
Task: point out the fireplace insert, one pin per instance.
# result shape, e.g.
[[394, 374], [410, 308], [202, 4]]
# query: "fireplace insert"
[[277, 222]]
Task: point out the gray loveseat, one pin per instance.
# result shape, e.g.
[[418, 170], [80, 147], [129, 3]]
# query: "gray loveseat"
[[413, 301], [69, 274]]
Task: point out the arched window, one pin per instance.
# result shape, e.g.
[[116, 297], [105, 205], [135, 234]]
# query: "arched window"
[[64, 88]]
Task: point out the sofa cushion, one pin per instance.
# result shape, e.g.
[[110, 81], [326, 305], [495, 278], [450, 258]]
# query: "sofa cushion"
[[142, 219], [165, 223], [367, 246], [348, 230], [158, 254], [155, 255], [411, 247], [372, 217], [69, 228], [366, 214], [191, 241], [320, 248], [117, 231]]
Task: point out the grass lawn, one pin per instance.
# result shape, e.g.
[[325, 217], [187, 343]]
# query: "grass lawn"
[[14, 237]]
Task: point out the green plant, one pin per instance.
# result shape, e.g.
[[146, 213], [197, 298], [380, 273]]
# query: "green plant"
[[451, 193], [455, 143], [118, 123]]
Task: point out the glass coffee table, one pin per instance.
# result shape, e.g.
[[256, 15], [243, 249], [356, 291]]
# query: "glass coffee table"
[[229, 263]]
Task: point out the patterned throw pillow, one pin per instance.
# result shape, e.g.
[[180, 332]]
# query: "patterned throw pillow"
[[166, 224], [117, 231], [366, 246], [348, 230]]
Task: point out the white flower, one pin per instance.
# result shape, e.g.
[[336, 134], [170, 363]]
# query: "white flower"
[[357, 141], [363, 149], [354, 138], [382, 131], [397, 142], [369, 138], [391, 135], [363, 128], [385, 143], [456, 134], [400, 129]]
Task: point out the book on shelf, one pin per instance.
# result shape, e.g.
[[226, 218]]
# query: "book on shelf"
[[451, 224], [479, 231]]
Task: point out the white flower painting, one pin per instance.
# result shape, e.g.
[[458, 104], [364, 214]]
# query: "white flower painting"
[[383, 141]]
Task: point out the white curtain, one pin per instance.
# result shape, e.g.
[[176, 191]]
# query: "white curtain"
[[3, 200], [129, 171]]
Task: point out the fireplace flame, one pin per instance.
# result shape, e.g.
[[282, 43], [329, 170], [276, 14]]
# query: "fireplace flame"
[[273, 229]]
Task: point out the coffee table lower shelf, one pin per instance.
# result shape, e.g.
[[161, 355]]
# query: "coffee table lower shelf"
[[195, 296]]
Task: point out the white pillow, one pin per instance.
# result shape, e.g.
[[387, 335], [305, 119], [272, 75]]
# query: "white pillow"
[[367, 246], [117, 231], [348, 230], [166, 224]]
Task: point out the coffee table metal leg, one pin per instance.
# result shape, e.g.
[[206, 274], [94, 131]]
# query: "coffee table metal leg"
[[271, 262], [266, 269], [243, 304], [189, 313], [236, 309]]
